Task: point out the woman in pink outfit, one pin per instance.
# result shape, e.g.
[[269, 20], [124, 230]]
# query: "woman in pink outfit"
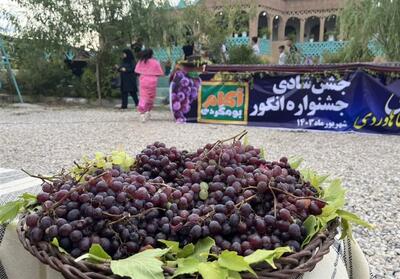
[[149, 70]]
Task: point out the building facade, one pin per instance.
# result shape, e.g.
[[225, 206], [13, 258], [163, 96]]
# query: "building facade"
[[299, 20]]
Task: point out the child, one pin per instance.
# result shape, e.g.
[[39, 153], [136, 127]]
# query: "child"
[[149, 70]]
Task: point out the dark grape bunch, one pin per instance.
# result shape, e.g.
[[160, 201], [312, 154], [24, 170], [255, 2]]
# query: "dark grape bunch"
[[226, 191]]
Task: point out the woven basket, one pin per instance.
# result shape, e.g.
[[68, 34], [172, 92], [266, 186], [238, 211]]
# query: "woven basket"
[[287, 266]]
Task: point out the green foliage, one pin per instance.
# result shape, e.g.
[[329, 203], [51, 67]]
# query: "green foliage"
[[88, 83], [243, 54], [102, 161], [295, 162], [267, 255], [315, 179], [48, 78], [10, 210], [371, 21], [228, 264], [264, 32], [334, 195], [146, 265]]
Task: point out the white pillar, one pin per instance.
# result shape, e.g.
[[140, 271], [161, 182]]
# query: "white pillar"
[[302, 27], [321, 28]]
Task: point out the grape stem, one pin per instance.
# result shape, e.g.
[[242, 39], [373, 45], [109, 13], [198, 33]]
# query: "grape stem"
[[239, 136], [43, 178], [128, 216], [76, 164], [219, 142], [275, 199], [238, 205], [295, 197]]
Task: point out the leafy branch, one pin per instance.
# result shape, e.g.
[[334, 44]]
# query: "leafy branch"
[[10, 210]]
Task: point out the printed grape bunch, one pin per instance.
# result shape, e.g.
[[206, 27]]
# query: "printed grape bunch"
[[184, 91]]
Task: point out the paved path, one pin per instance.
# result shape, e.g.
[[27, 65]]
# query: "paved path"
[[46, 139]]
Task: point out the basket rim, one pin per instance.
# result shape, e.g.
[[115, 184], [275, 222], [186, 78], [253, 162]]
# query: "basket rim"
[[290, 265]]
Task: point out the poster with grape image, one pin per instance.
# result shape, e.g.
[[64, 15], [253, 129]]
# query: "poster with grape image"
[[183, 95]]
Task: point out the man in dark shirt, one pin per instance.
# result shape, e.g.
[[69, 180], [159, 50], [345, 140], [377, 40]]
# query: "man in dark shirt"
[[188, 49]]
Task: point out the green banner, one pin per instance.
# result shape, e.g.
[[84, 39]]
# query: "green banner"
[[225, 102]]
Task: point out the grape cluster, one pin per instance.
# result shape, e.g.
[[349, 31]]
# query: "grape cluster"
[[184, 92], [226, 191], [159, 161]]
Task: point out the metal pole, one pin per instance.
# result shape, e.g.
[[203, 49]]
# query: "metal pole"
[[9, 70]]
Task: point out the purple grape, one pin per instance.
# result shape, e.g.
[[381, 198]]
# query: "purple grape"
[[176, 106], [185, 82]]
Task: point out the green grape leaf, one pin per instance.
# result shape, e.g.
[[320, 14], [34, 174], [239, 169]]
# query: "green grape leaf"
[[99, 160], [246, 140], [122, 159], [98, 251], [232, 261], [328, 214], [353, 218], [334, 194], [202, 248], [262, 153], [267, 255], [108, 165], [172, 245], [10, 210], [187, 266], [212, 270], [346, 229], [315, 180], [96, 254], [295, 162], [29, 197], [186, 251], [311, 227], [55, 243], [234, 275], [144, 265]]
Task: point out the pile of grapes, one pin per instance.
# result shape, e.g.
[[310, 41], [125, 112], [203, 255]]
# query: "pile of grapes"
[[224, 190]]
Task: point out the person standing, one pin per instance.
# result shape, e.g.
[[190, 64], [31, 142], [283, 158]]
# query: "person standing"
[[188, 49], [149, 70], [282, 55], [128, 78], [224, 53], [255, 46]]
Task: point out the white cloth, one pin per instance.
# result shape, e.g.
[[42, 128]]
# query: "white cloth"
[[256, 49], [345, 261], [282, 58]]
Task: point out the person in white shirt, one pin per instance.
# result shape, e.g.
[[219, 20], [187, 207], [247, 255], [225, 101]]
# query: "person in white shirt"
[[282, 55], [224, 53], [255, 46]]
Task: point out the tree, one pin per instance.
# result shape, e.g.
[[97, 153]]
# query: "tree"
[[212, 27], [368, 22], [105, 26]]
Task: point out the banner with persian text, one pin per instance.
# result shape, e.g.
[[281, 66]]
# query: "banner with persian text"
[[357, 101]]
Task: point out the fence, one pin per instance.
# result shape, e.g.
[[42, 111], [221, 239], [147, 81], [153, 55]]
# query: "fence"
[[175, 53], [318, 49]]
